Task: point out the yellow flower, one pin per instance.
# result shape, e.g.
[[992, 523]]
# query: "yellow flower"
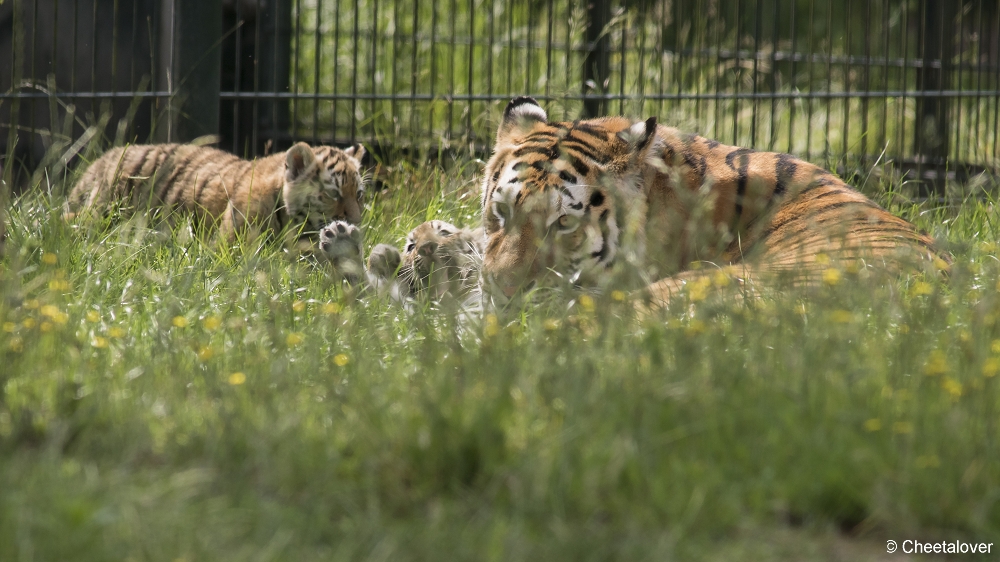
[[964, 336], [822, 259], [873, 424], [50, 259], [298, 306], [28, 323], [990, 367], [211, 323], [491, 328], [550, 324], [93, 316], [116, 332], [928, 461], [341, 359], [922, 288], [952, 387], [695, 327], [617, 295], [853, 268], [237, 378], [99, 342], [16, 344], [698, 289], [331, 308], [587, 303], [902, 427], [841, 316], [937, 363], [294, 338], [55, 314], [205, 353], [179, 322], [45, 326], [940, 264], [9, 327], [59, 285], [831, 276], [721, 279], [31, 304], [995, 346]]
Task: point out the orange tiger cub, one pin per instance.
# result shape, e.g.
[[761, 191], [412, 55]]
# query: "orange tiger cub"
[[569, 199], [303, 188]]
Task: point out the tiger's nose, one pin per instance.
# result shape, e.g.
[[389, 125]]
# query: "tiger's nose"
[[509, 290]]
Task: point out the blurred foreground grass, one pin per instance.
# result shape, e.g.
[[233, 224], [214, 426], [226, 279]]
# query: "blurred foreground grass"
[[164, 399]]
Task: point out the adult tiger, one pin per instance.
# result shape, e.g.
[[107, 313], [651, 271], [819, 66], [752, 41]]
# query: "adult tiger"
[[557, 198], [304, 188]]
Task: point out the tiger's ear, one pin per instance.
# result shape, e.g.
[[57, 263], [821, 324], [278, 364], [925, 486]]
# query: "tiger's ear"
[[300, 162], [357, 152], [520, 116], [639, 134]]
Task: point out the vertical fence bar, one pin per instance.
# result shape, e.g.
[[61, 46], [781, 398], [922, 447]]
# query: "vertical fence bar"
[[866, 82], [812, 87], [979, 76], [904, 80], [195, 30], [792, 101], [847, 81], [886, 49], [336, 68], [960, 102], [469, 132], [772, 132], [931, 128], [596, 65], [737, 72], [829, 83], [317, 58], [758, 16], [415, 25]]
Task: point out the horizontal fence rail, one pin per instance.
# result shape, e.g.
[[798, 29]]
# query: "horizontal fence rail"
[[840, 82]]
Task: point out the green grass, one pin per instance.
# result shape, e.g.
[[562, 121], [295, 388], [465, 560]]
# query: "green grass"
[[800, 425]]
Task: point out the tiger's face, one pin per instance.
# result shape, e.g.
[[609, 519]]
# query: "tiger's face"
[[552, 196], [323, 184]]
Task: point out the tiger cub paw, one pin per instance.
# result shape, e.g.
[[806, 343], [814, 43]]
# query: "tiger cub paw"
[[340, 244], [384, 261]]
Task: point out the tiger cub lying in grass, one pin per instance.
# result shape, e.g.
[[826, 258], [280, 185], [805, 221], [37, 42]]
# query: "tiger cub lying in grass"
[[438, 261], [300, 190], [569, 200]]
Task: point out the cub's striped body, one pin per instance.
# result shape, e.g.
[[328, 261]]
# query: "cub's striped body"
[[304, 188], [558, 199]]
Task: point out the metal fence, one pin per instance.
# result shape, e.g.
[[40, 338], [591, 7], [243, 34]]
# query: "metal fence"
[[915, 82]]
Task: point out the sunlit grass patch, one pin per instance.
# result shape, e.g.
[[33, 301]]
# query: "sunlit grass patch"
[[240, 396]]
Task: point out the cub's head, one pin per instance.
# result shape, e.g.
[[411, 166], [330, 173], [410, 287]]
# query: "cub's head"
[[323, 184], [552, 195], [441, 258]]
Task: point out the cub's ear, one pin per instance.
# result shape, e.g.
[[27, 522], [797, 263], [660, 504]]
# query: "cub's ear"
[[357, 152], [639, 134], [520, 116], [300, 162]]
